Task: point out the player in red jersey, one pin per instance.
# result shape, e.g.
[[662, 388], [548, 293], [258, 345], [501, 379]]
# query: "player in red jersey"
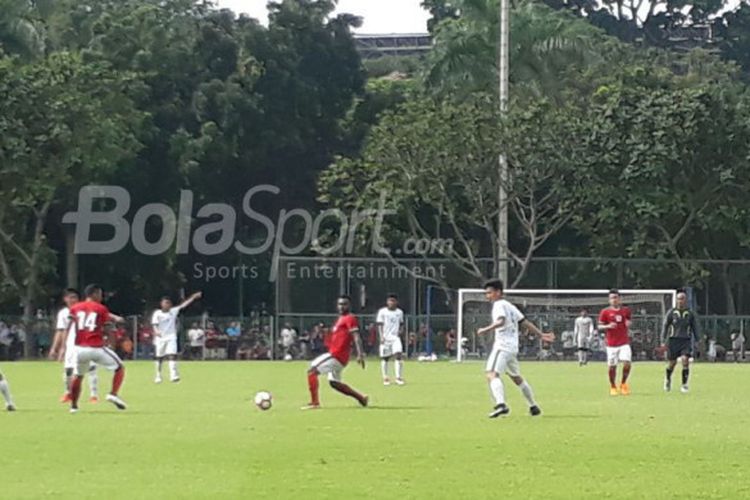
[[615, 321], [345, 332], [87, 320]]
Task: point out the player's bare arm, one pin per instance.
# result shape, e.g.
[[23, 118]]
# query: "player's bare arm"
[[113, 318], [185, 303], [358, 347], [494, 326], [529, 326], [380, 327], [58, 347]]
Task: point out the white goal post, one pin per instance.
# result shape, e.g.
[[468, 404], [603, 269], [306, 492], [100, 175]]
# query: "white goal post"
[[554, 307]]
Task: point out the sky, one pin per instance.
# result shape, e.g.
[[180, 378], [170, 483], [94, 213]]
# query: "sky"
[[380, 16]]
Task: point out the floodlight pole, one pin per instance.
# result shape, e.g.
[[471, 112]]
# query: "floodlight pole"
[[504, 69]]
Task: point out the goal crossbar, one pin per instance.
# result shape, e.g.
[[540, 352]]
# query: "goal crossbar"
[[594, 297]]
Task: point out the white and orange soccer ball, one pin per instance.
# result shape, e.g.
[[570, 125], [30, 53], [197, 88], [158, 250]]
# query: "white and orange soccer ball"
[[264, 400]]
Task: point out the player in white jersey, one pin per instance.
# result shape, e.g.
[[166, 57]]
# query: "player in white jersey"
[[67, 352], [390, 321], [164, 321], [506, 319], [584, 330], [5, 391]]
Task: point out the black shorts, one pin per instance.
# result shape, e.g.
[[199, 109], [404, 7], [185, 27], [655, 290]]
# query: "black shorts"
[[679, 347]]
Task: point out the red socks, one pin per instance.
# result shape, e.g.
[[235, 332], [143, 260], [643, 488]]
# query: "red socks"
[[117, 380], [612, 375], [75, 390], [312, 383]]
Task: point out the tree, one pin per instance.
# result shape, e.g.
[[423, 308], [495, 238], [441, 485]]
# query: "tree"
[[63, 123], [434, 165], [546, 47]]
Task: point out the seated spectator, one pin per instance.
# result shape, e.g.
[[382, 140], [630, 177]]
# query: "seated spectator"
[[287, 340], [196, 341]]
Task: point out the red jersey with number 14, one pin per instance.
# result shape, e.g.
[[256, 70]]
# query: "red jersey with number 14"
[[618, 335], [89, 318], [340, 344]]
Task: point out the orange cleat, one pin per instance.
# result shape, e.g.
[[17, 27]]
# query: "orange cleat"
[[613, 391], [66, 398], [93, 400], [625, 390]]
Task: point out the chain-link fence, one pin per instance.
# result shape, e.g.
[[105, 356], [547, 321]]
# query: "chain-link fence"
[[303, 336]]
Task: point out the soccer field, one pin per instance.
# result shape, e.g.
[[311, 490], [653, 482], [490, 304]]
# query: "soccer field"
[[203, 438]]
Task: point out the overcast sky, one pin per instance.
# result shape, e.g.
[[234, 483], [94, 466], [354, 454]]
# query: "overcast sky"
[[380, 16]]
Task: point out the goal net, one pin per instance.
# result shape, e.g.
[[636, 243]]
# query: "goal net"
[[556, 311]]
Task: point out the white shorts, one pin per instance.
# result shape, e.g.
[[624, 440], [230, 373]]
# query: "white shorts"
[[165, 346], [390, 348], [70, 360], [102, 356], [326, 363], [503, 362], [618, 354], [582, 342]]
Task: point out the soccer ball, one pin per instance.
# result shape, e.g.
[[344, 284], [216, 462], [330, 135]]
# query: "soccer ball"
[[264, 400]]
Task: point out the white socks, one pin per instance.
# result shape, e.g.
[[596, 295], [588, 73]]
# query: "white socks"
[[384, 368], [173, 369], [497, 391], [158, 368], [5, 390], [527, 393], [399, 368], [93, 382]]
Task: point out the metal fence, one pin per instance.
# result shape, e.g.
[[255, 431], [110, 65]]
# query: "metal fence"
[[260, 338]]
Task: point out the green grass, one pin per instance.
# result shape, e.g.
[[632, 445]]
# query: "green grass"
[[203, 438]]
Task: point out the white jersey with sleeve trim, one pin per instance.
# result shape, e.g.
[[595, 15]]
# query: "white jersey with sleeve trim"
[[166, 322], [584, 326], [391, 321], [62, 323], [506, 337]]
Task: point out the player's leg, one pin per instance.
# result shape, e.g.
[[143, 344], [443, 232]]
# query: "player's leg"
[[159, 352], [312, 380], [494, 367], [626, 356], [5, 391], [93, 384], [82, 362], [384, 358], [334, 379], [171, 352], [108, 359], [612, 360], [671, 363], [686, 355], [513, 370], [398, 353]]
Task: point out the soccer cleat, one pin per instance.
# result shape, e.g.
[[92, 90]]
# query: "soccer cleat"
[[157, 380], [625, 390], [386, 381], [65, 398], [311, 406], [535, 411], [613, 391], [174, 380], [400, 381], [10, 407], [94, 400], [119, 403], [364, 401], [501, 409], [73, 410], [667, 385], [684, 389]]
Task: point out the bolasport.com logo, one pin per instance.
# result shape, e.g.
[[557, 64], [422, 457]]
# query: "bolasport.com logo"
[[210, 230]]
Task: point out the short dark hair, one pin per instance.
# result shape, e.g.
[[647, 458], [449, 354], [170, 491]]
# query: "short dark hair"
[[165, 297], [92, 289], [345, 297], [494, 284], [614, 290], [392, 296], [71, 291], [681, 290]]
